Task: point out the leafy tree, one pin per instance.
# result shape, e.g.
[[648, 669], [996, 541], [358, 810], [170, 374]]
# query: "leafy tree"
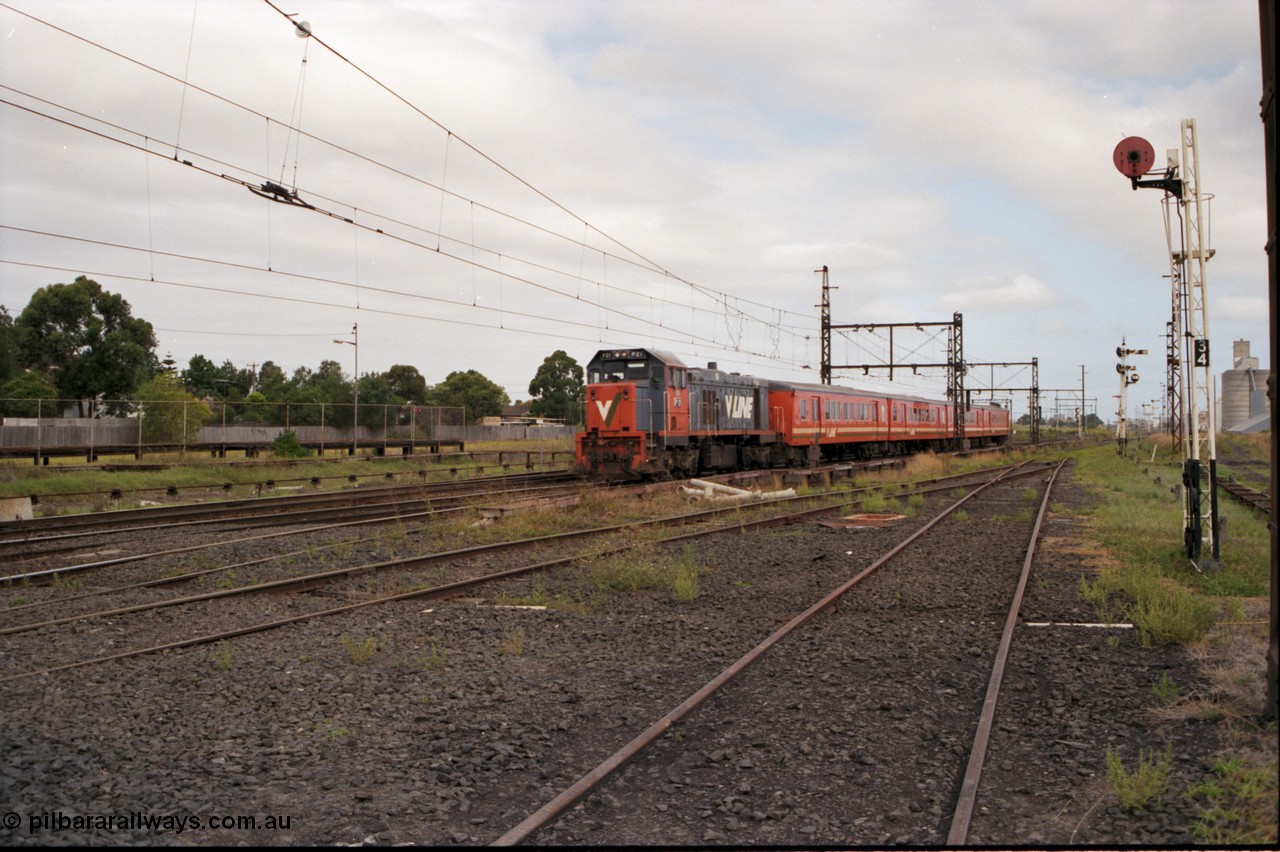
[[170, 415], [307, 389], [30, 394], [406, 382], [272, 382], [9, 362], [559, 389], [204, 379], [379, 403], [88, 340], [471, 391], [258, 409]]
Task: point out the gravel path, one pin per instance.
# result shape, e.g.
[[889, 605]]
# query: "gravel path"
[[449, 723]]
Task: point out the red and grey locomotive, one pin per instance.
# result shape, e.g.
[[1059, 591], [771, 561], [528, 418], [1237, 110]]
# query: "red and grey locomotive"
[[649, 414]]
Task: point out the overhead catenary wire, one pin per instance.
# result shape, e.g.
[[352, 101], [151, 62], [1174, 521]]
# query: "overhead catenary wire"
[[270, 265], [732, 313], [222, 163], [635, 257]]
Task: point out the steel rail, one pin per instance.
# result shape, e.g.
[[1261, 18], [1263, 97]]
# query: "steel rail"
[[21, 531], [977, 754], [618, 759], [307, 582], [443, 591], [298, 517]]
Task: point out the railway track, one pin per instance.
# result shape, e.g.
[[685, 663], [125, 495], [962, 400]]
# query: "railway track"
[[1248, 496], [460, 575], [738, 712], [466, 714]]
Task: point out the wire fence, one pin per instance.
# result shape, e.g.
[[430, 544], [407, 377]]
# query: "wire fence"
[[141, 425]]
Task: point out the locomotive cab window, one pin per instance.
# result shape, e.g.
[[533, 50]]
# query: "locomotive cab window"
[[620, 371]]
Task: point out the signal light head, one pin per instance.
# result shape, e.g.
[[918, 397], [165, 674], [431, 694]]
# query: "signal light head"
[[1134, 156]]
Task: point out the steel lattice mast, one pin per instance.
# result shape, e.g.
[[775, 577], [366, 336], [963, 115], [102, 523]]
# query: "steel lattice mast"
[[1189, 252]]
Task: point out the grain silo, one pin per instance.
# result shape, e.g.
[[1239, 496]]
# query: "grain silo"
[[1243, 388]]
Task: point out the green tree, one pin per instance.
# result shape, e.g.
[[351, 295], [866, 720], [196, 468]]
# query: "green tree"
[[205, 379], [406, 382], [272, 382], [170, 415], [29, 394], [308, 389], [559, 389], [10, 364], [88, 340], [380, 404], [471, 391]]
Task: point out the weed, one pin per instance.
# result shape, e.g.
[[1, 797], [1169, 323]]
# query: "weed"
[[1171, 614], [513, 641], [960, 515], [1029, 494], [221, 656], [684, 580], [1113, 641], [875, 501], [1239, 803], [66, 584], [428, 661], [915, 501], [1146, 785], [329, 730], [17, 600], [1166, 691], [360, 650]]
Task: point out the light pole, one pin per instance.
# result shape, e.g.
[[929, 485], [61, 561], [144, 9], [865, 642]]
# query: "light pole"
[[355, 411]]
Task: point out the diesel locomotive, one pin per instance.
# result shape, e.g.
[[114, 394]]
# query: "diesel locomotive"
[[649, 414]]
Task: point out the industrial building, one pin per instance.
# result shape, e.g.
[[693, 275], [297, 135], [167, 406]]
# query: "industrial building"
[[1243, 401]]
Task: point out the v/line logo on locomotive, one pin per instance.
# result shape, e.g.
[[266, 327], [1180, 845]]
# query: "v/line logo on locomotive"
[[739, 407]]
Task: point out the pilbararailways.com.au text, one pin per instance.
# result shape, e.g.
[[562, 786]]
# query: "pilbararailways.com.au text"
[[59, 821]]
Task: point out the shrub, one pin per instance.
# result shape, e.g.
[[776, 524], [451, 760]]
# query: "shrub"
[[287, 446]]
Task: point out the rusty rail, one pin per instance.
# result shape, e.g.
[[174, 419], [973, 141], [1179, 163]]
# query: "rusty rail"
[[977, 755]]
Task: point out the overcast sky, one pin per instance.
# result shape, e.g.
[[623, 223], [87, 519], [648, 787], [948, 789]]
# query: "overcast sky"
[[494, 181]]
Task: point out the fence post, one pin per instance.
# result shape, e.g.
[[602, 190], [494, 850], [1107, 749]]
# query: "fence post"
[[141, 414], [183, 452]]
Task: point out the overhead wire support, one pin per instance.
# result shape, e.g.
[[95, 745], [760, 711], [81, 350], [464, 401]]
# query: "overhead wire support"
[[954, 365], [1033, 391]]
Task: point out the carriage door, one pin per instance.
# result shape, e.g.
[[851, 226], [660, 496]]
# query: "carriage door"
[[678, 399], [818, 423]]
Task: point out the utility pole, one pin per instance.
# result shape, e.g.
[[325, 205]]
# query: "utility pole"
[[355, 412]]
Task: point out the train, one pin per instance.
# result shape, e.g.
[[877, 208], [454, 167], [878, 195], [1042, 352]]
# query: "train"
[[649, 415]]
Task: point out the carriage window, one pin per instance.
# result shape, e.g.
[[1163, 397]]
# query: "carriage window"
[[804, 409]]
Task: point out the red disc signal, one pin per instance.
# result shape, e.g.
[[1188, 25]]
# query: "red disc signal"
[[1134, 156]]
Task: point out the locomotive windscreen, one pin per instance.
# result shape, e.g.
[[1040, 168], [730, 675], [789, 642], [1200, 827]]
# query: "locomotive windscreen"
[[620, 371]]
